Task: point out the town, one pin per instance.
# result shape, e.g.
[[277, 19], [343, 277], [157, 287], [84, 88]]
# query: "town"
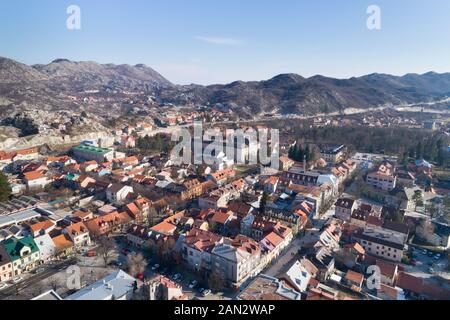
[[114, 217]]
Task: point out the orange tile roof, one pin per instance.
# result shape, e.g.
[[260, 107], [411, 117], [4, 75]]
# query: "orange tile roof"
[[62, 242], [82, 214], [7, 155], [33, 175], [356, 246], [77, 228], [133, 209], [165, 228], [27, 151], [354, 277], [274, 239], [43, 225], [220, 217]]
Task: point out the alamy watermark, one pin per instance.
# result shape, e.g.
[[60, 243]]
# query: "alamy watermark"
[[374, 19], [73, 281], [73, 22], [373, 282], [241, 147]]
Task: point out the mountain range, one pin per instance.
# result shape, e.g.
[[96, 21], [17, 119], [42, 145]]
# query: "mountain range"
[[39, 85]]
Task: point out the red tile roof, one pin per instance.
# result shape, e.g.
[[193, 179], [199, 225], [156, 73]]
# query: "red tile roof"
[[33, 175]]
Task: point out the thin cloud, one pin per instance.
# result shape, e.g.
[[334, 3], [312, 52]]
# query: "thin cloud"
[[220, 41]]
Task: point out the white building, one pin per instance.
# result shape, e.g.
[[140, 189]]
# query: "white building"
[[382, 243], [299, 274], [117, 286], [117, 193], [46, 247]]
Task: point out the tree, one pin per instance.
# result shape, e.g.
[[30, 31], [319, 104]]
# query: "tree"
[[263, 203], [5, 188], [396, 216], [418, 200], [419, 150], [136, 263], [84, 114], [54, 284], [105, 248]]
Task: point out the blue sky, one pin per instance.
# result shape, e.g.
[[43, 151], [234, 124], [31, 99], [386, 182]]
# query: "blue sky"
[[218, 41]]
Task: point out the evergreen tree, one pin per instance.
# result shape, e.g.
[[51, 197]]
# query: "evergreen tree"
[[263, 203], [419, 151], [5, 188], [307, 153]]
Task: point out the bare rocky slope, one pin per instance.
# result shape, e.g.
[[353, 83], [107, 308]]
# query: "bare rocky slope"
[[46, 87]]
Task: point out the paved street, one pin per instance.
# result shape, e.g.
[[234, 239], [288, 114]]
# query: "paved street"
[[32, 279], [285, 259]]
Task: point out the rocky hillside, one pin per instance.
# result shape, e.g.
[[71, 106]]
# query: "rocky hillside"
[[81, 76], [291, 93], [47, 86]]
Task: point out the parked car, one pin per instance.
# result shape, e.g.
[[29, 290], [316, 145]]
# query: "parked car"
[[425, 252], [16, 280], [116, 263], [3, 286], [437, 256], [206, 292], [430, 270], [38, 270], [177, 277], [91, 253], [193, 284], [430, 254]]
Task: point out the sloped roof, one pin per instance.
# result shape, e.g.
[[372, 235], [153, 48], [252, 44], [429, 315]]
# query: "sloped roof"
[[13, 246]]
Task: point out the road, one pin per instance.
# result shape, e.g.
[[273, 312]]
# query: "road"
[[50, 270], [286, 259]]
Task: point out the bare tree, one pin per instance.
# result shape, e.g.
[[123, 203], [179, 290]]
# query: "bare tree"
[[37, 289], [55, 284], [105, 248], [136, 263]]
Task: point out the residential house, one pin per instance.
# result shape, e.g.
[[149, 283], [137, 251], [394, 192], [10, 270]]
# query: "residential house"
[[23, 253], [6, 267], [196, 249], [354, 279], [222, 177], [26, 154], [46, 246], [333, 153], [344, 208], [35, 180], [138, 236], [162, 288], [63, 245], [383, 177], [117, 193], [236, 262], [275, 241], [41, 228], [79, 234]]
